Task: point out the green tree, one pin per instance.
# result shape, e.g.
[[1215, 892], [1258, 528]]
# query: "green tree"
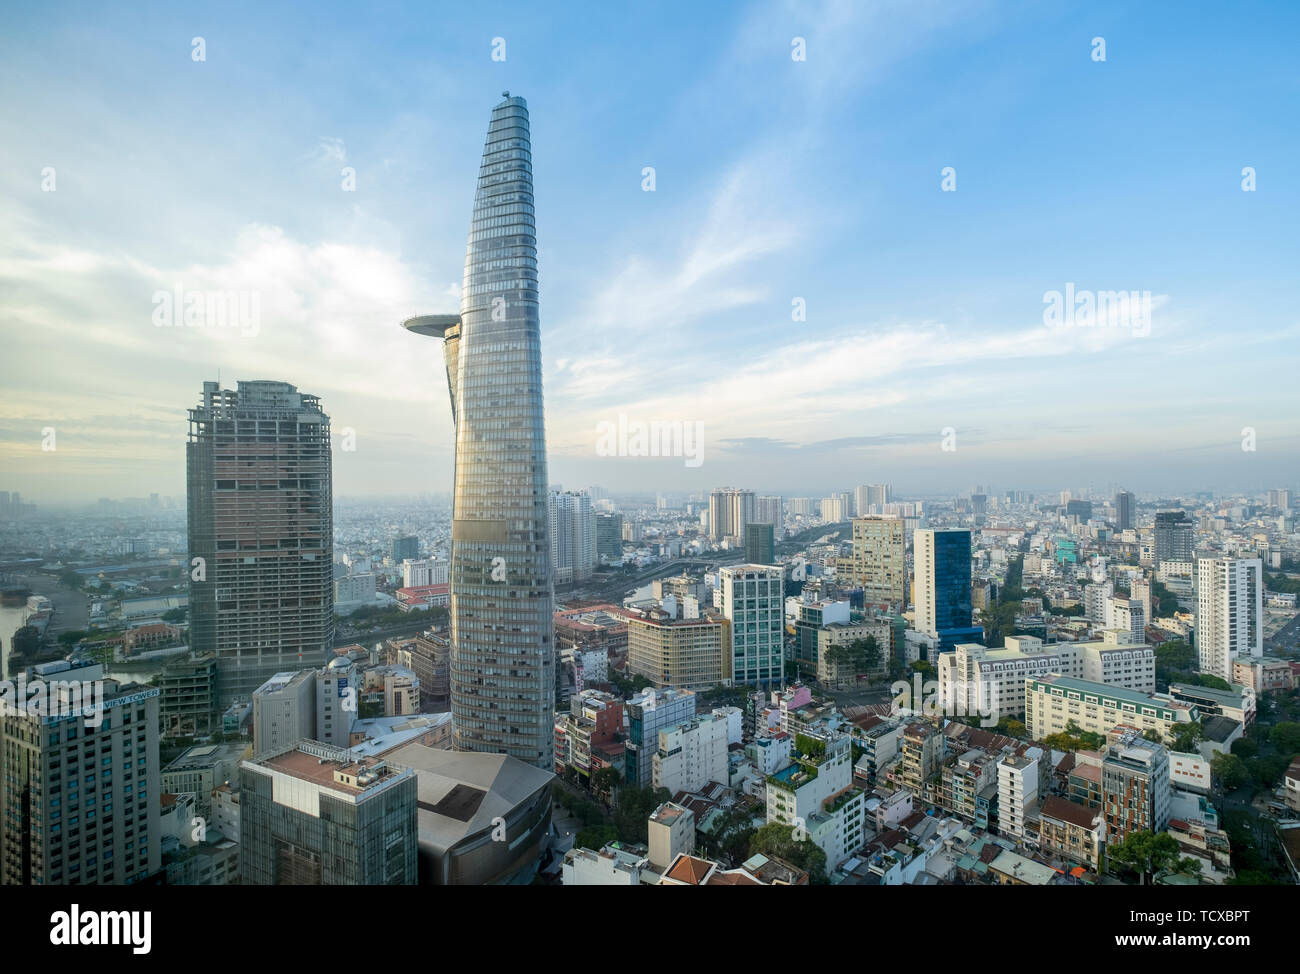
[[1186, 736], [1285, 736], [72, 637], [632, 815], [1230, 771], [1147, 854], [595, 837], [781, 842]]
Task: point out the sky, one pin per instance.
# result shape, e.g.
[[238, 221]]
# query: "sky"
[[799, 282]]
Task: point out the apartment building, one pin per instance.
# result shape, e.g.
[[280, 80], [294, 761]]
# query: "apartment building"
[[753, 602], [879, 561], [815, 794], [691, 754], [79, 799], [1136, 794], [1017, 792], [1072, 831]]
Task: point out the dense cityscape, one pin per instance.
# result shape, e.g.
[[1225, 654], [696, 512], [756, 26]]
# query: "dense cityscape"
[[746, 602]]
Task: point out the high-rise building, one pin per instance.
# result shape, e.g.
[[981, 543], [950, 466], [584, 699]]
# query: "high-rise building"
[[1124, 511], [261, 532], [573, 536], [767, 510], [648, 712], [837, 507], [943, 602], [404, 548], [80, 798], [760, 544], [730, 510], [609, 537], [878, 495], [502, 590], [1229, 612], [753, 600], [1128, 616], [1175, 537], [1080, 509], [879, 564], [315, 815], [423, 572]]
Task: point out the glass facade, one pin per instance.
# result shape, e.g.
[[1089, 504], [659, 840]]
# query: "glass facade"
[[502, 660], [952, 604]]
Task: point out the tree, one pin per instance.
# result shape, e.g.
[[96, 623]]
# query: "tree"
[[632, 815], [1147, 854], [1285, 736], [595, 837], [1153, 735], [780, 841], [72, 637], [1186, 736], [1230, 771], [26, 641], [603, 781], [1245, 747]]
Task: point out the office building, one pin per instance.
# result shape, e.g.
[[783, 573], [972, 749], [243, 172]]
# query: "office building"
[[760, 544], [284, 711], [1124, 511], [573, 536], [879, 564], [80, 800], [405, 548], [609, 537], [943, 597], [649, 712], [1175, 537], [730, 510], [752, 600], [313, 815], [200, 770], [1127, 616], [1229, 613], [503, 652], [694, 654], [261, 532]]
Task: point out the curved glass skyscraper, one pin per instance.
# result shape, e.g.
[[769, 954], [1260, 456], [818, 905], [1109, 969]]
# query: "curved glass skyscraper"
[[502, 628]]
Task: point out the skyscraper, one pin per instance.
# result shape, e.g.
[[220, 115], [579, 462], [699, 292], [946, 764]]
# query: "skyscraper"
[[753, 599], [878, 561], [730, 510], [573, 536], [1123, 510], [261, 533], [760, 544], [1175, 537], [609, 537], [1229, 612], [943, 605], [502, 628]]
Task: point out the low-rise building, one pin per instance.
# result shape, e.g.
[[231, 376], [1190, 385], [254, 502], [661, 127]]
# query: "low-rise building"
[[1053, 702], [1072, 831]]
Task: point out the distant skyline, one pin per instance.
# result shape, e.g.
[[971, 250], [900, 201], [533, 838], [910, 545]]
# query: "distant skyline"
[[779, 184]]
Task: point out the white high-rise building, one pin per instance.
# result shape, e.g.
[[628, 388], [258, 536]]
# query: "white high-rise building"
[[1017, 790], [1229, 612], [418, 572], [1127, 615], [1095, 599], [752, 598], [573, 536], [691, 754], [730, 510]]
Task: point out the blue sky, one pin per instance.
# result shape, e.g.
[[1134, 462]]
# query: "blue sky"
[[775, 180]]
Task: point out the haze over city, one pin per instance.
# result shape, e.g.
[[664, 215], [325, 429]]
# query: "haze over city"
[[798, 280]]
